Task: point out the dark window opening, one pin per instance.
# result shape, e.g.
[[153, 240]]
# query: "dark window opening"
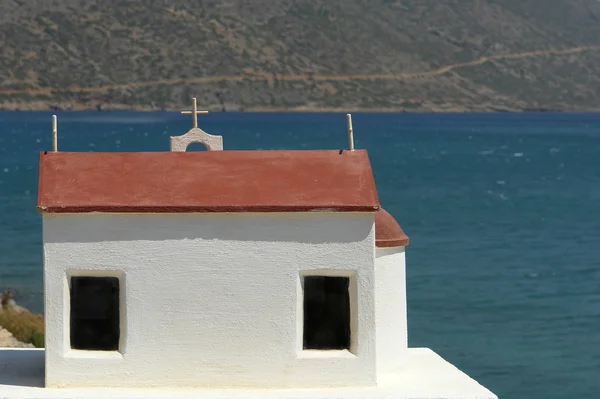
[[95, 313], [326, 313]]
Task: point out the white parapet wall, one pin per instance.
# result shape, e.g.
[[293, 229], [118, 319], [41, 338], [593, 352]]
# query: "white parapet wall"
[[390, 309], [210, 300]]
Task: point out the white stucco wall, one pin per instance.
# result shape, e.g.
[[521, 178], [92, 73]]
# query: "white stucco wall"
[[390, 309], [210, 300]]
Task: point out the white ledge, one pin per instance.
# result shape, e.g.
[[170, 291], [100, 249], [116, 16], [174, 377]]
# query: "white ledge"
[[311, 354], [79, 354], [424, 375]]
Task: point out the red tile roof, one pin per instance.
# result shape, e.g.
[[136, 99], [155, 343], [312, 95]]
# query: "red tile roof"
[[210, 181], [388, 232]]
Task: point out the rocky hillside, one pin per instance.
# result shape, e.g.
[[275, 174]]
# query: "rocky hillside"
[[301, 54]]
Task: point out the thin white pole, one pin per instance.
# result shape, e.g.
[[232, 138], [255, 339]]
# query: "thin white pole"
[[350, 132], [54, 134]]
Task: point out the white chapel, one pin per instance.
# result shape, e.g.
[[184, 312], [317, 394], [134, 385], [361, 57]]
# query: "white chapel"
[[223, 274]]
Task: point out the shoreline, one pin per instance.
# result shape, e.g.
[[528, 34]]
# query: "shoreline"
[[424, 106], [260, 109]]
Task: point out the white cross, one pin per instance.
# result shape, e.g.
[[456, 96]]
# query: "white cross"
[[194, 112]]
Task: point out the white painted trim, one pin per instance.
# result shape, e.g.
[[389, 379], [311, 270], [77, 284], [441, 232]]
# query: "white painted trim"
[[85, 354], [313, 353], [90, 354]]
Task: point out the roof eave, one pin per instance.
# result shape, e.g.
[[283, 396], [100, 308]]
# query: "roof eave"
[[207, 209]]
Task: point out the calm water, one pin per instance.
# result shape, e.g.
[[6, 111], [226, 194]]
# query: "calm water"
[[503, 213]]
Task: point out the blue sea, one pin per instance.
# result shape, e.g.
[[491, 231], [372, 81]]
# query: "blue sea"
[[502, 211]]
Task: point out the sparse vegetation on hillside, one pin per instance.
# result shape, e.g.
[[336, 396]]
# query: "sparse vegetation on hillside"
[[301, 54]]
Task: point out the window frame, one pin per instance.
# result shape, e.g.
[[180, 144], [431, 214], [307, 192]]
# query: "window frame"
[[352, 351], [93, 353]]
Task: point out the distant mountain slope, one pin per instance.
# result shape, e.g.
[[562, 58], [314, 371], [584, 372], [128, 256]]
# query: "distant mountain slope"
[[301, 54]]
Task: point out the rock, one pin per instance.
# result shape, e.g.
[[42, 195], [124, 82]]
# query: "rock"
[[18, 326], [8, 341]]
